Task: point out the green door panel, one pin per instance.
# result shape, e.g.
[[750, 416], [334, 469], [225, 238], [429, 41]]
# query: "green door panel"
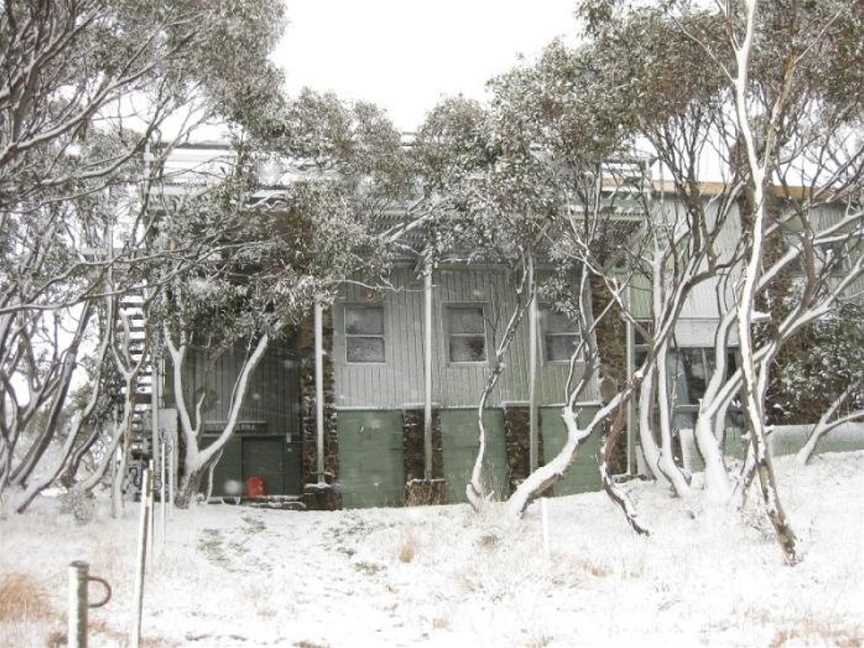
[[263, 457], [583, 475], [370, 458], [268, 456], [459, 438], [228, 469]]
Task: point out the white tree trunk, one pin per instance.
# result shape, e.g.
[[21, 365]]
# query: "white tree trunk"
[[666, 462], [755, 384], [539, 480]]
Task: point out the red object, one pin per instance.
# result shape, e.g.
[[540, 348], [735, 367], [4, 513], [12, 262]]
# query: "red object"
[[256, 486]]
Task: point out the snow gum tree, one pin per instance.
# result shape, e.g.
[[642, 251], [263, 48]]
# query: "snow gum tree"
[[783, 130], [86, 84], [264, 256], [490, 204]]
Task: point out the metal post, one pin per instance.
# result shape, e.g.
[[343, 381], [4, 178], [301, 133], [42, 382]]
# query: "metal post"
[[151, 521], [631, 368], [427, 371], [319, 389], [544, 514], [154, 408], [163, 494], [79, 578], [77, 604], [532, 372], [172, 481], [140, 563]]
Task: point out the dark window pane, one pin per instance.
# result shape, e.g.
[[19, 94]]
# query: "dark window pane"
[[365, 349], [560, 347], [364, 321], [694, 373], [555, 322], [465, 320], [467, 348], [640, 339], [731, 363], [684, 419]]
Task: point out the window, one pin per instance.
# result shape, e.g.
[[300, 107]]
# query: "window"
[[364, 334], [466, 333], [689, 369], [641, 344], [834, 255], [560, 335]]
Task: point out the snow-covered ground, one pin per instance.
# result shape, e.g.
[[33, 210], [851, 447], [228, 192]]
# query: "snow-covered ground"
[[442, 576]]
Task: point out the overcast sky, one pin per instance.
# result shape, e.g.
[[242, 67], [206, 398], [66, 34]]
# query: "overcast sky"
[[404, 55]]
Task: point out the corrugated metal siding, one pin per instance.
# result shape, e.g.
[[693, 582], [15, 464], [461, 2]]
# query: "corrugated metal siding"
[[399, 380], [273, 396], [272, 402]]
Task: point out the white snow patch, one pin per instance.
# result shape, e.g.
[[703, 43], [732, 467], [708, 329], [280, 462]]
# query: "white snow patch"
[[235, 576]]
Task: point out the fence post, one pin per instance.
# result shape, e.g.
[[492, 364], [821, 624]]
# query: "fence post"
[[163, 495], [142, 558], [544, 514], [151, 508]]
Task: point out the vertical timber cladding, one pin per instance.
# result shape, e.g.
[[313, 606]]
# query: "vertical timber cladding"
[[266, 441], [418, 490], [317, 498]]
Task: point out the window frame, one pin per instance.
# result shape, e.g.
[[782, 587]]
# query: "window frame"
[[839, 249], [450, 306], [349, 336], [544, 334]]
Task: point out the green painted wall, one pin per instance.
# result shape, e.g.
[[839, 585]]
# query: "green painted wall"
[[370, 458], [459, 439], [583, 475]]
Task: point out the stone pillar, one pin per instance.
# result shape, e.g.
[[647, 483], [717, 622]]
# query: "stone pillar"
[[319, 492], [611, 336], [418, 490]]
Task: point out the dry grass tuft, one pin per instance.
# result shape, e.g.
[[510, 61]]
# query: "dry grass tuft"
[[440, 623], [408, 547], [23, 599], [56, 639], [588, 567], [810, 631]]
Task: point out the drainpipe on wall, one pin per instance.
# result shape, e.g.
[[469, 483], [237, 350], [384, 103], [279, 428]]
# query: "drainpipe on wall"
[[155, 374], [427, 371], [532, 371], [319, 389], [631, 368]]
